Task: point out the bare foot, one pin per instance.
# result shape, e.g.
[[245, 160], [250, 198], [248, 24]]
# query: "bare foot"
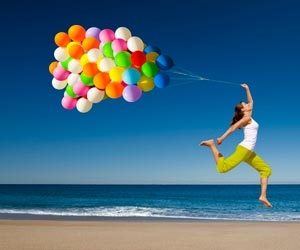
[[207, 143], [265, 202]]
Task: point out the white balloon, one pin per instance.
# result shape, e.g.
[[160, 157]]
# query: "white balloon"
[[74, 66], [123, 33], [135, 43], [59, 84], [106, 64], [95, 95], [94, 55], [83, 105], [60, 54], [73, 78]]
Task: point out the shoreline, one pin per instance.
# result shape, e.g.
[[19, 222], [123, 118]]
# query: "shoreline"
[[145, 235], [34, 217]]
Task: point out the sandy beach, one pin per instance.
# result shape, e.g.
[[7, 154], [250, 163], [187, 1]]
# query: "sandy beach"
[[146, 235]]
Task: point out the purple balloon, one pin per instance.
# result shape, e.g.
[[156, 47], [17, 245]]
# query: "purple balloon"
[[93, 32], [131, 93]]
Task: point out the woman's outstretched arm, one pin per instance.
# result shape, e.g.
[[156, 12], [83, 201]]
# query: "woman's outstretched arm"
[[232, 128], [248, 94]]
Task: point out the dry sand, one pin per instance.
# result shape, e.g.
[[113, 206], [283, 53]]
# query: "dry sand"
[[146, 235]]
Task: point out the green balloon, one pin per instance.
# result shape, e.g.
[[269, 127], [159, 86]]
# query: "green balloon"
[[122, 59], [87, 80], [149, 69], [65, 63], [107, 50], [70, 92]]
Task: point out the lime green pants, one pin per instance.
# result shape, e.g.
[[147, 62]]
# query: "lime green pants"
[[243, 154]]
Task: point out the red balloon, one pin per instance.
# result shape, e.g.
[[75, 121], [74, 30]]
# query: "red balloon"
[[138, 58]]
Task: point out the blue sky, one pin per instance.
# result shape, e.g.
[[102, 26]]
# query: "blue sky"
[[154, 140]]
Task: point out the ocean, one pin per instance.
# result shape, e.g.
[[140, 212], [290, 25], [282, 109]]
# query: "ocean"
[[149, 202]]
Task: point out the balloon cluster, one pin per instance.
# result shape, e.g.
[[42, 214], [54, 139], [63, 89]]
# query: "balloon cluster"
[[93, 65]]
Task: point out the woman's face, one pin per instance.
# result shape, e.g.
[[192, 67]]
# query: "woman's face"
[[245, 106]]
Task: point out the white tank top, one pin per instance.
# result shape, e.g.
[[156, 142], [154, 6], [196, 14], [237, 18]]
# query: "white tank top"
[[250, 135]]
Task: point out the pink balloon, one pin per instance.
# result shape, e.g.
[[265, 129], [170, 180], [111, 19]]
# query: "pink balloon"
[[119, 45], [68, 102], [60, 73], [106, 35], [132, 93], [80, 89]]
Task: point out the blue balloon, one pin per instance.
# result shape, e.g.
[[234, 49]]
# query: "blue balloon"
[[164, 62], [151, 48], [131, 76], [161, 80]]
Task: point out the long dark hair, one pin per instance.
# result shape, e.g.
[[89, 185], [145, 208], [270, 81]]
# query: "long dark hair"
[[238, 113]]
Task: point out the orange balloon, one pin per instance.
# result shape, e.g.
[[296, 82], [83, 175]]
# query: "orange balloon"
[[62, 39], [90, 43], [76, 33], [101, 80], [114, 90], [75, 51], [52, 66], [90, 69]]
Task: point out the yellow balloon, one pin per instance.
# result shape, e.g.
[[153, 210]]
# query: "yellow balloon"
[[151, 56], [146, 83], [84, 60], [115, 74], [70, 44]]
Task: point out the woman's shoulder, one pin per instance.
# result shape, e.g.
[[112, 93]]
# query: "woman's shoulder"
[[246, 120]]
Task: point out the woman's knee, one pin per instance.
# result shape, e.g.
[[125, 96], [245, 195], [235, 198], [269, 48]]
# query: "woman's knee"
[[266, 172], [222, 167], [226, 164]]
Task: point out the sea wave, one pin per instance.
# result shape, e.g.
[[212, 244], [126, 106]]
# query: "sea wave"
[[152, 213]]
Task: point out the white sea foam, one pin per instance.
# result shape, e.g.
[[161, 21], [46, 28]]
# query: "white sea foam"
[[150, 212], [125, 211]]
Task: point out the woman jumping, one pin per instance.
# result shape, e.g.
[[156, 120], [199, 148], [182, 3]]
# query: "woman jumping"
[[244, 152]]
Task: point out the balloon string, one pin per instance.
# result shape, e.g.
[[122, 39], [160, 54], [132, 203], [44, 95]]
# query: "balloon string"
[[179, 69], [212, 80], [192, 77], [185, 73]]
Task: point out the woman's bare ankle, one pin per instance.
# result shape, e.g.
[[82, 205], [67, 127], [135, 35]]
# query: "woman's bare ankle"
[[265, 201]]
